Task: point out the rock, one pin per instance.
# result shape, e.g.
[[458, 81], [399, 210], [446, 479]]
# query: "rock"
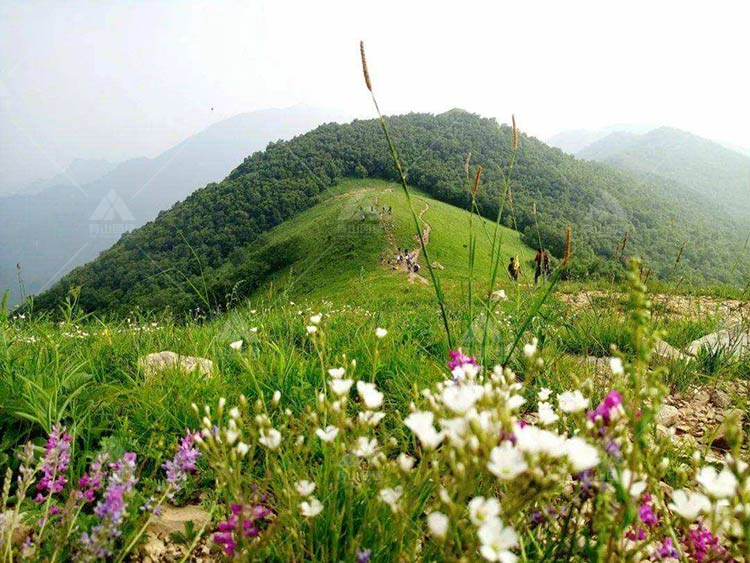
[[669, 353], [173, 519], [701, 397], [735, 341], [720, 398], [159, 361], [667, 415], [154, 547]]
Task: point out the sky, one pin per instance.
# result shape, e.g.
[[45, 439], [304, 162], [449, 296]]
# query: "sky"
[[121, 79]]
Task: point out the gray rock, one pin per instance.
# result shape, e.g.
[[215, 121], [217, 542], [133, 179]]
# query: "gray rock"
[[735, 341], [173, 519], [667, 352], [667, 415], [159, 361], [720, 398]]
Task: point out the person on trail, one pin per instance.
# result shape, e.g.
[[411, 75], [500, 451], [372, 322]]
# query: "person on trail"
[[546, 264], [514, 268], [416, 268], [543, 264]]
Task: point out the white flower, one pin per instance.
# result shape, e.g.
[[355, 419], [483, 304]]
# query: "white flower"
[[315, 319], [391, 496], [506, 462], [437, 524], [242, 449], [337, 372], [305, 488], [421, 424], [630, 483], [371, 418], [465, 372], [254, 329], [530, 349], [544, 394], [370, 395], [380, 332], [533, 440], [232, 436], [688, 504], [461, 398], [615, 364], [547, 414], [482, 510], [276, 397], [236, 345], [312, 329], [406, 462], [270, 438], [718, 485], [515, 402], [311, 507], [365, 448], [497, 540], [572, 401], [581, 454], [234, 412], [341, 386], [327, 435]]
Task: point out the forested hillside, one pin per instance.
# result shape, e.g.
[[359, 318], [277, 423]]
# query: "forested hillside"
[[165, 262]]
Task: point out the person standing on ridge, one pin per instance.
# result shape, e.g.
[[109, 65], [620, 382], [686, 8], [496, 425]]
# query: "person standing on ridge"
[[514, 268]]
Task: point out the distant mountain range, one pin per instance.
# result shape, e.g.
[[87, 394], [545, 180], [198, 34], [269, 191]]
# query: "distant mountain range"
[[705, 169], [57, 225]]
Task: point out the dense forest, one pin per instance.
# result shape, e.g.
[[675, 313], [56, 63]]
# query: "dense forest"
[[169, 261]]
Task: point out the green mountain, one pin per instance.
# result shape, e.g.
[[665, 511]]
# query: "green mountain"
[[704, 168], [219, 243]]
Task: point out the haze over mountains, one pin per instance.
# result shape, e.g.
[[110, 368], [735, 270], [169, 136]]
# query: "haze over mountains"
[[56, 228], [704, 169]]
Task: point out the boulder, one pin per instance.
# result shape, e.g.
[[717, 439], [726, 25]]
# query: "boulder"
[[667, 416], [667, 352], [159, 361], [734, 341], [173, 519]]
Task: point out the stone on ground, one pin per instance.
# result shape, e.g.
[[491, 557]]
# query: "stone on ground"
[[159, 361], [734, 340]]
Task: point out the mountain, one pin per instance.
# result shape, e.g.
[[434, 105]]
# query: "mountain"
[[79, 172], [197, 253], [573, 141], [51, 232], [704, 168]]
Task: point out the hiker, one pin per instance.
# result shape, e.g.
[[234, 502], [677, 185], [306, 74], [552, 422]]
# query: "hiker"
[[514, 268], [546, 264], [543, 264], [416, 268]]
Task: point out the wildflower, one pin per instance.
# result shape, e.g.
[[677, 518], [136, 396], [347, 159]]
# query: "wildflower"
[[717, 485], [544, 394], [327, 435], [55, 464], [461, 398], [312, 329], [533, 440], [421, 424], [371, 418], [458, 359], [646, 513], [496, 541], [391, 496], [365, 448], [506, 462], [310, 508], [529, 350], [702, 545], [609, 409], [369, 394], [236, 345], [180, 465], [337, 372], [363, 556], [581, 454], [93, 480], [572, 401], [276, 398], [231, 435], [341, 386], [615, 364], [630, 484], [241, 524], [406, 462], [482, 510], [546, 414], [270, 438], [234, 413], [381, 332], [689, 504], [666, 550], [305, 488], [242, 449], [315, 319], [437, 524]]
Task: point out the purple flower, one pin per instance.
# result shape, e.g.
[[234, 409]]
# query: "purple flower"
[[587, 487], [608, 409], [56, 460], [646, 513], [92, 481], [702, 545], [457, 359], [243, 523], [666, 550], [180, 465], [111, 511], [363, 556]]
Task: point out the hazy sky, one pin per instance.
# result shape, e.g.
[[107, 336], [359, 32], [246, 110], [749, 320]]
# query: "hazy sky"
[[121, 79]]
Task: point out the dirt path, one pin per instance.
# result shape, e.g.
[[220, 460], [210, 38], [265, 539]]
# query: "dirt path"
[[414, 253]]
